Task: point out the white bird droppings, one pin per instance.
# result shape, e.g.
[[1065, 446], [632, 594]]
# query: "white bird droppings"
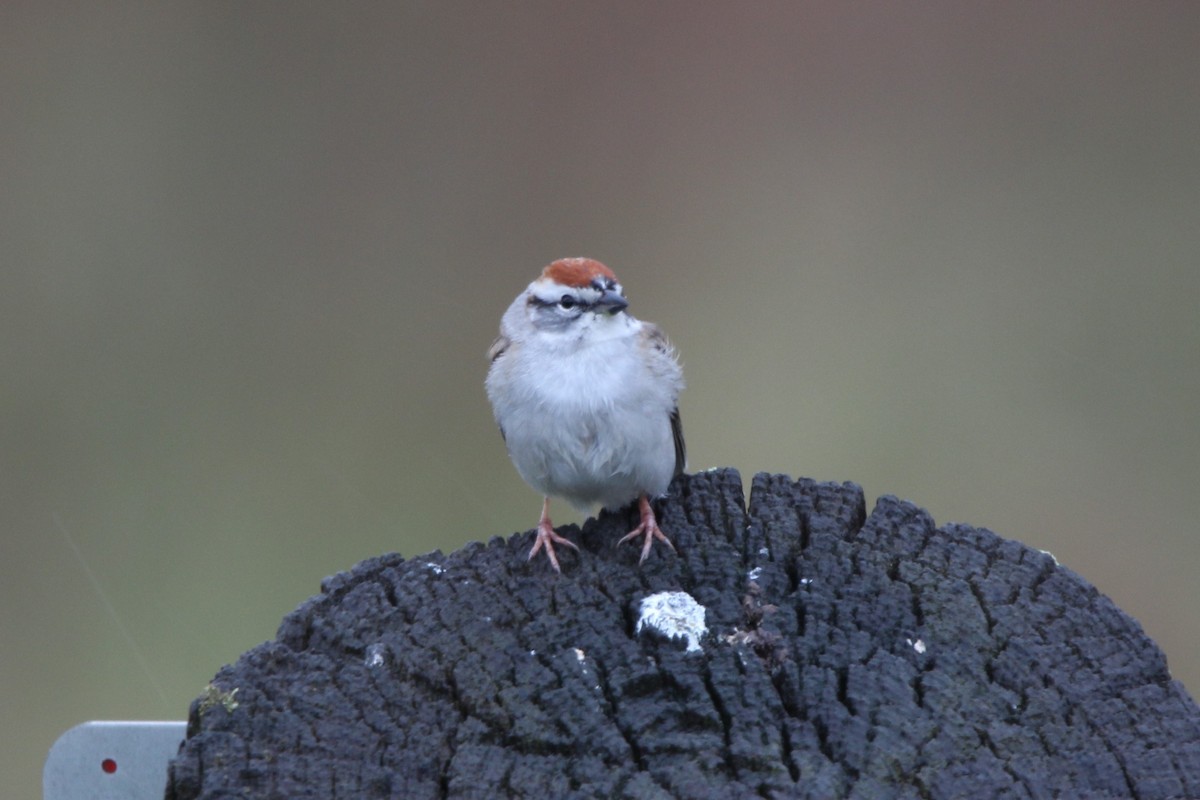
[[676, 616], [376, 655]]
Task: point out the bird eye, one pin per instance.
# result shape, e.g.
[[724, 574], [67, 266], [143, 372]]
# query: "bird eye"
[[566, 301]]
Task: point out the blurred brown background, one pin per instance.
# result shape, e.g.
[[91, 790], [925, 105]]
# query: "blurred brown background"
[[252, 256]]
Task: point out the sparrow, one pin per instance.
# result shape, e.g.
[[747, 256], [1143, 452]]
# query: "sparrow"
[[587, 399]]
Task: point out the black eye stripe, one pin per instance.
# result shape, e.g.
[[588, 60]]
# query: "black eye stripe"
[[585, 299], [566, 302]]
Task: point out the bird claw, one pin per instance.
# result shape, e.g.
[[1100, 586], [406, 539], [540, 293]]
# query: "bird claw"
[[648, 527], [547, 538]]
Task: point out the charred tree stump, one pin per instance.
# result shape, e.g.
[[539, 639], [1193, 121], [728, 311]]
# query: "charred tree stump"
[[846, 656]]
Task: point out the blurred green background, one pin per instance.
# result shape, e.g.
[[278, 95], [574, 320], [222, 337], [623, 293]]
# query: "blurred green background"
[[252, 256]]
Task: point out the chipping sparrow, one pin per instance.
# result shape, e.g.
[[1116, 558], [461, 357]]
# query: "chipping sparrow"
[[586, 398]]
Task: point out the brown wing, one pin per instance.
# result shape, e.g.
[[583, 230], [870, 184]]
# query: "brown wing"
[[658, 340], [494, 352], [498, 347], [680, 448]]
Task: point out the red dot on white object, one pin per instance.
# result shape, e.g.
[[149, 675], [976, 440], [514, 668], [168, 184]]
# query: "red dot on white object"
[[108, 765]]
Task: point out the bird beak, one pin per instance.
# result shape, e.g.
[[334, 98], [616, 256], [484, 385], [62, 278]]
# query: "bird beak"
[[612, 302]]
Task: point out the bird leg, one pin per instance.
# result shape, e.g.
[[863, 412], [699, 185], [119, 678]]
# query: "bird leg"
[[648, 528], [546, 537]]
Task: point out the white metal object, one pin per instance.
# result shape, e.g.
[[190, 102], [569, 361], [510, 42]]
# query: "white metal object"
[[106, 759]]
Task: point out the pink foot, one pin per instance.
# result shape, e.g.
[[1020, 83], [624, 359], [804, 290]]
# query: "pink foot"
[[546, 537], [648, 528]]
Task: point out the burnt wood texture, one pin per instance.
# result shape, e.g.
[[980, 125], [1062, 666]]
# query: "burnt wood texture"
[[847, 655]]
